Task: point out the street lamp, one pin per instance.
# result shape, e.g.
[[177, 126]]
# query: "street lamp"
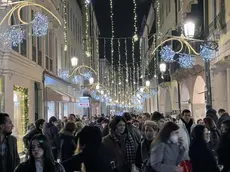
[[189, 29], [91, 80], [147, 83], [162, 67], [74, 61]]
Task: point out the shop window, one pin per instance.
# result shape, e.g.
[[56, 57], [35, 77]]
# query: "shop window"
[[51, 109], [21, 109]]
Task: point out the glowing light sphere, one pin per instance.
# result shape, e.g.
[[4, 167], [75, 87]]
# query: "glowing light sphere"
[[87, 75], [16, 35], [186, 60], [77, 79], [40, 24], [64, 74], [167, 54], [206, 53]]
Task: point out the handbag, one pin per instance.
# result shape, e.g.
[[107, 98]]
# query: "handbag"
[[187, 166]]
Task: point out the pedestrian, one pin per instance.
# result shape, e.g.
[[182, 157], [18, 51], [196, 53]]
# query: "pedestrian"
[[223, 117], [92, 155], [168, 150], [9, 157], [51, 132], [41, 158], [201, 156]]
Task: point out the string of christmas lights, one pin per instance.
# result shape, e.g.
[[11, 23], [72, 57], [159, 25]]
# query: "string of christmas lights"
[[158, 19], [65, 25], [155, 59], [135, 36], [182, 16], [98, 61], [119, 63], [126, 62], [87, 37], [112, 38]]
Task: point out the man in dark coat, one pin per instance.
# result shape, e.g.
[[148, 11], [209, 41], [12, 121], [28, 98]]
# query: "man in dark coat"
[[9, 158], [212, 114], [223, 117]]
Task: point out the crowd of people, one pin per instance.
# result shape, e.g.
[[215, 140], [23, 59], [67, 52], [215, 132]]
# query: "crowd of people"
[[127, 143]]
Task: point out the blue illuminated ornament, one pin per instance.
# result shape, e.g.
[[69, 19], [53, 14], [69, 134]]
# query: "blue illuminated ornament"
[[40, 25], [64, 74], [87, 75], [186, 60], [76, 79], [16, 35], [206, 53], [167, 54], [154, 91]]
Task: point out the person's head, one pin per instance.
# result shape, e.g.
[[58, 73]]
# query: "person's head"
[[6, 125], [64, 119], [146, 116], [212, 113], [159, 119], [221, 111], [72, 118], [200, 122], [70, 127], [39, 124], [127, 116], [53, 120], [200, 134], [209, 123], [136, 123], [140, 118], [150, 130], [225, 126], [170, 132], [90, 137], [104, 123], [134, 117], [117, 125], [186, 115], [100, 119], [40, 148]]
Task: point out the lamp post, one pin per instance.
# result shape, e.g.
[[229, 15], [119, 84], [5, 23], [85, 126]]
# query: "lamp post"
[[189, 31], [74, 61]]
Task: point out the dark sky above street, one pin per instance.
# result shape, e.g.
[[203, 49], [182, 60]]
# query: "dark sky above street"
[[123, 23]]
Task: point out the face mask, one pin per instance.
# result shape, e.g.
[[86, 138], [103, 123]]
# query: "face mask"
[[174, 138]]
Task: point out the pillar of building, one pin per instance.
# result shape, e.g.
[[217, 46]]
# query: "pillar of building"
[[228, 89]]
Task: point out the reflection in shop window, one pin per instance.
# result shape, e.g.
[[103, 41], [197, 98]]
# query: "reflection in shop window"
[[20, 120]]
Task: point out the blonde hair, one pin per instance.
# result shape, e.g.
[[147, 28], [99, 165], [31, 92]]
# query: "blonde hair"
[[151, 124]]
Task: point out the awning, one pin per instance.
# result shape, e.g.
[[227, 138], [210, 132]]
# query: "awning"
[[55, 95]]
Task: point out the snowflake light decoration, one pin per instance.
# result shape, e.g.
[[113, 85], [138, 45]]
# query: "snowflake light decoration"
[[15, 35], [186, 60], [87, 75], [154, 91], [64, 74], [76, 79], [167, 54], [40, 24], [206, 53]]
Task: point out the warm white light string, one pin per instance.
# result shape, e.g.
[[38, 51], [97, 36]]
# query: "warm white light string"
[[182, 15], [135, 18], [126, 63], [112, 37], [65, 25], [158, 19], [87, 37], [119, 62]]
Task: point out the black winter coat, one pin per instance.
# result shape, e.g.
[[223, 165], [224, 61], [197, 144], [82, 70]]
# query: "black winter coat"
[[202, 158], [28, 166], [95, 160]]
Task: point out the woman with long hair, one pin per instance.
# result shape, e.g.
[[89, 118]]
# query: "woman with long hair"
[[41, 158], [200, 154], [121, 143], [223, 151], [167, 151]]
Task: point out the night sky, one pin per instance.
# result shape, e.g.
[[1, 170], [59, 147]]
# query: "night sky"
[[123, 25]]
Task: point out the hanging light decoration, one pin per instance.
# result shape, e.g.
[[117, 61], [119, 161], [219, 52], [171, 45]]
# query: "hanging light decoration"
[[77, 79], [40, 24], [147, 83], [167, 54], [87, 75], [64, 74], [206, 53], [186, 60], [91, 80]]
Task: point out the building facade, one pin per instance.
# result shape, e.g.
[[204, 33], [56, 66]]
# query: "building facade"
[[187, 88]]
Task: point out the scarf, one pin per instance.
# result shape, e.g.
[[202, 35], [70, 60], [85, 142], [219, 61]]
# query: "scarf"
[[130, 150]]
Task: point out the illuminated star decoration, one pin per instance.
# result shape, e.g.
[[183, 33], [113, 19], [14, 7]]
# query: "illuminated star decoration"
[[76, 79], [64, 74], [40, 25], [15, 35], [87, 75], [206, 53], [167, 54], [186, 60]]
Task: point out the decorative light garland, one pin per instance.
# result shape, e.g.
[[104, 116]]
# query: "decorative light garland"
[[40, 24], [206, 53], [16, 35], [119, 63], [112, 38], [135, 37], [158, 20], [167, 54], [87, 37], [182, 16], [126, 63], [65, 25]]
